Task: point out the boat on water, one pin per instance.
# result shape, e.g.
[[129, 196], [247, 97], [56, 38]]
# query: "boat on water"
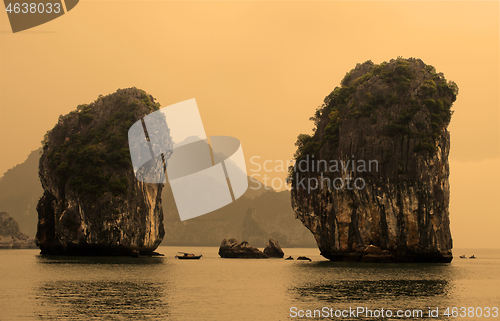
[[462, 256], [472, 257], [188, 256]]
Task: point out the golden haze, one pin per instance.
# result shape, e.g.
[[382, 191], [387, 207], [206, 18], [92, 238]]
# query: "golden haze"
[[258, 70]]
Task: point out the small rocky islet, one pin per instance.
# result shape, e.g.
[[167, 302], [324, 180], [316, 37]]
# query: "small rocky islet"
[[232, 248]]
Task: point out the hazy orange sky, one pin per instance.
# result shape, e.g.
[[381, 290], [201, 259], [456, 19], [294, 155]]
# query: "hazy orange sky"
[[258, 71]]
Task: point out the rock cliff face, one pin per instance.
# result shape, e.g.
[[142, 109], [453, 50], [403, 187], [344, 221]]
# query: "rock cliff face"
[[92, 203], [371, 184]]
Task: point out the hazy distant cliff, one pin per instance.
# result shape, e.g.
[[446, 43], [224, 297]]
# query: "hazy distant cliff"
[[396, 116], [11, 236], [20, 190], [255, 220], [92, 203]]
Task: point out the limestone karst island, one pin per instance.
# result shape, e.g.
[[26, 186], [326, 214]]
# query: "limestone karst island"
[[389, 121], [92, 203]]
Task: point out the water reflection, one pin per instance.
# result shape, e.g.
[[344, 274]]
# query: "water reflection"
[[82, 300], [57, 259], [355, 291], [339, 282], [83, 288]]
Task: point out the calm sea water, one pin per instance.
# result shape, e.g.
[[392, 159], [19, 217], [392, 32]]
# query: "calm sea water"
[[33, 287]]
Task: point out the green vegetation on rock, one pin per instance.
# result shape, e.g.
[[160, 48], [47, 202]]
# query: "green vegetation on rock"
[[86, 159], [389, 93]]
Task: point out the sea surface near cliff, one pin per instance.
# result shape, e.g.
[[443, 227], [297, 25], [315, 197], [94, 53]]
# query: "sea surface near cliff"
[[33, 287]]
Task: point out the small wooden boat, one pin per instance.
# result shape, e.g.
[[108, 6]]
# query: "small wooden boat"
[[188, 256], [462, 256], [472, 257]]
